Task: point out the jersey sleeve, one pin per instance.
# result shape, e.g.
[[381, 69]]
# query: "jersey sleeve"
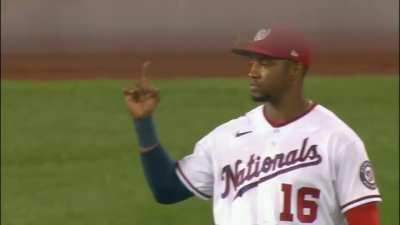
[[195, 170], [355, 183]]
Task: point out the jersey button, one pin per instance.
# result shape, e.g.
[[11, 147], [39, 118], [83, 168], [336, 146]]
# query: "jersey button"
[[276, 131]]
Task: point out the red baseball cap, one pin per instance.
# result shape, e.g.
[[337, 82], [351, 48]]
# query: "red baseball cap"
[[277, 43]]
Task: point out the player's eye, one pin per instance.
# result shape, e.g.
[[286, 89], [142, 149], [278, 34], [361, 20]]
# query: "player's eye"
[[253, 63], [266, 62]]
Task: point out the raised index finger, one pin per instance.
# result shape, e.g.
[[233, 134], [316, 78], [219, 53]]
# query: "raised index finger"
[[143, 75]]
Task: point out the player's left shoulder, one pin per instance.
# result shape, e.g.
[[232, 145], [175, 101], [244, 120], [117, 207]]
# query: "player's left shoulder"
[[332, 122], [337, 129]]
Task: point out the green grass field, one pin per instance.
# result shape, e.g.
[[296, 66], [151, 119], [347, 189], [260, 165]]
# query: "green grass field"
[[69, 153]]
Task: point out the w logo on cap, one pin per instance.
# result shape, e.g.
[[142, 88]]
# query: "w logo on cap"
[[294, 53], [262, 34]]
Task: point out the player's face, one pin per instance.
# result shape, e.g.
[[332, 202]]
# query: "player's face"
[[269, 79]]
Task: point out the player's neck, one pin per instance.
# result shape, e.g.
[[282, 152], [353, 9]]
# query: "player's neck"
[[288, 108]]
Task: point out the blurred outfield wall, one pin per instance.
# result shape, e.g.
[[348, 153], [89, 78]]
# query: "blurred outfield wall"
[[45, 36], [75, 26]]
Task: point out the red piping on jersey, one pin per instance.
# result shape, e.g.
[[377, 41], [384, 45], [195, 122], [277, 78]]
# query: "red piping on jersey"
[[190, 184], [359, 199], [281, 124]]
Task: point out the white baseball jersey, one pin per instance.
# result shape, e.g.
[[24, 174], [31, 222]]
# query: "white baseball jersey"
[[308, 171]]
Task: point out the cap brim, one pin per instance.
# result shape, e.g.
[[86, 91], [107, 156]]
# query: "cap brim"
[[252, 53]]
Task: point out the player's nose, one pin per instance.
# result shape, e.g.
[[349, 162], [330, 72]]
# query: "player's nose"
[[254, 71]]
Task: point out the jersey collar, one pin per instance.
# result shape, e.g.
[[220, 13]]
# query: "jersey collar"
[[275, 124]]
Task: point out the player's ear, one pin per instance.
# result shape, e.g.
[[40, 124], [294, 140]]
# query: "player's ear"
[[295, 70]]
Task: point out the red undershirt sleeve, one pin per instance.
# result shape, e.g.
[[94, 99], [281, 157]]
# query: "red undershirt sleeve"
[[366, 214]]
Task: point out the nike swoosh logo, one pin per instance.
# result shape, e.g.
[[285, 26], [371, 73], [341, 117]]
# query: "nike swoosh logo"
[[238, 134]]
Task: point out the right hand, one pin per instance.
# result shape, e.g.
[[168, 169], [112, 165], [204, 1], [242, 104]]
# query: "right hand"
[[142, 99]]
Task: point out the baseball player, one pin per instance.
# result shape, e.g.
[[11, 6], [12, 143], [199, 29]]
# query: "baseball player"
[[288, 161]]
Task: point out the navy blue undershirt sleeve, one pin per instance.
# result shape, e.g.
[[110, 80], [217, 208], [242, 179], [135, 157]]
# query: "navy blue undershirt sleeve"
[[145, 132], [159, 168]]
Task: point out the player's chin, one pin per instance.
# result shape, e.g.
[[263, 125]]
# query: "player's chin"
[[259, 98]]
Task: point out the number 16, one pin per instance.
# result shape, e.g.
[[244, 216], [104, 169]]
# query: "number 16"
[[302, 204]]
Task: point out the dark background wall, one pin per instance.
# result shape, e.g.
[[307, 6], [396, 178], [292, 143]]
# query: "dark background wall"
[[355, 28], [207, 25]]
